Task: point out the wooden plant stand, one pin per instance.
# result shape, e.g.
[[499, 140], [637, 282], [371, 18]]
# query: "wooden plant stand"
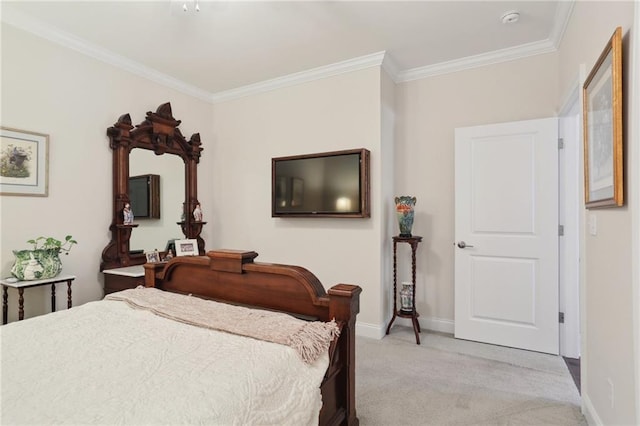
[[413, 314]]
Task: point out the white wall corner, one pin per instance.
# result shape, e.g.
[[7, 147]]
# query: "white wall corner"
[[589, 412], [390, 66], [634, 196], [572, 95]]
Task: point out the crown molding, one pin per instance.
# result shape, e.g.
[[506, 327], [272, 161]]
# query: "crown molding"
[[563, 14], [561, 21], [497, 56], [48, 32], [27, 23], [355, 64], [383, 59]]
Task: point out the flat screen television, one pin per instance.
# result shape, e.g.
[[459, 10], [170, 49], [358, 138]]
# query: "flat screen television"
[[144, 194], [329, 184]]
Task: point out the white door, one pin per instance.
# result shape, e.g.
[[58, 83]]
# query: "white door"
[[571, 195], [506, 234]]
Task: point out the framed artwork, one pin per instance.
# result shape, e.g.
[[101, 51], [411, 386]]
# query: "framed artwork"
[[152, 257], [602, 120], [24, 163], [186, 247]]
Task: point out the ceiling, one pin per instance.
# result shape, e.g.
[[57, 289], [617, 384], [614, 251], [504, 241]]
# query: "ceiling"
[[229, 46]]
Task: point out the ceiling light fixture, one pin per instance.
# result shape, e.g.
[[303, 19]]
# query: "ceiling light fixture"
[[510, 17], [185, 7]]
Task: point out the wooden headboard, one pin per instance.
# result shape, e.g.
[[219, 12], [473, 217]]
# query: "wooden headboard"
[[232, 276]]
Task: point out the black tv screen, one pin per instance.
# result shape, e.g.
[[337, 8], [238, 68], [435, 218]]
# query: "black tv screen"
[[144, 194], [330, 184]]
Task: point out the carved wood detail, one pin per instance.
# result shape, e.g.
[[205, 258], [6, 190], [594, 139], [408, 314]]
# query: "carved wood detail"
[[159, 133]]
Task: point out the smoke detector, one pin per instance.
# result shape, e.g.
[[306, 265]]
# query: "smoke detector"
[[510, 17]]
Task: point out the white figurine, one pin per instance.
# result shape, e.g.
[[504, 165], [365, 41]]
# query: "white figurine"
[[127, 214], [32, 268], [197, 213]]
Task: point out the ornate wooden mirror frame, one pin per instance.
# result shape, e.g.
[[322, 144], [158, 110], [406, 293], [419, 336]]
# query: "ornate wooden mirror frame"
[[159, 133]]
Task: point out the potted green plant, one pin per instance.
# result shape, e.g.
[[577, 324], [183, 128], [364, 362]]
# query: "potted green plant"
[[43, 260]]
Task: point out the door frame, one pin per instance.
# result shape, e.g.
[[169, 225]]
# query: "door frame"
[[571, 218]]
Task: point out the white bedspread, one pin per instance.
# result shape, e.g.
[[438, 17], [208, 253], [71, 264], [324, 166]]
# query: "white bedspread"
[[106, 363]]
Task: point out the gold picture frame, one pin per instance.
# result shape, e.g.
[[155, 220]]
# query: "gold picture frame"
[[602, 121], [24, 163]]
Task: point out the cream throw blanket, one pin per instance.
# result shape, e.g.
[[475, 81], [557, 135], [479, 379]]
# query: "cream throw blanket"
[[309, 339]]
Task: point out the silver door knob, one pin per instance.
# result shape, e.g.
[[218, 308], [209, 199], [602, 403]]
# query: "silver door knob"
[[462, 244]]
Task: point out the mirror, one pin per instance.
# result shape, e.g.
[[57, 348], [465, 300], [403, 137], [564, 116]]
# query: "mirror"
[[156, 146], [152, 234]]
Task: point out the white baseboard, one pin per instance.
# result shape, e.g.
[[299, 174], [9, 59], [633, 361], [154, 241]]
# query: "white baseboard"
[[590, 412], [375, 331], [371, 331], [434, 324]]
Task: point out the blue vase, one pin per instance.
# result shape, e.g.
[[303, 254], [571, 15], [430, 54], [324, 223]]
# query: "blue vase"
[[405, 212]]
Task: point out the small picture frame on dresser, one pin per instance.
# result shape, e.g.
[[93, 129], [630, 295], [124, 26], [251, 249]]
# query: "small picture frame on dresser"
[[152, 257], [186, 247]]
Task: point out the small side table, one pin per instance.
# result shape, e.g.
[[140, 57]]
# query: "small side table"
[[413, 242], [21, 285]]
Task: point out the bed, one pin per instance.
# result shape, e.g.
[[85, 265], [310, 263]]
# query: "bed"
[[157, 355]]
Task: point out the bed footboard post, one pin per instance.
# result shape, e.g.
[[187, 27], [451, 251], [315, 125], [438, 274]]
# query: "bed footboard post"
[[150, 274], [344, 305]]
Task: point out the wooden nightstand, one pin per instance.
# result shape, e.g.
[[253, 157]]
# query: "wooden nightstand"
[[123, 278]]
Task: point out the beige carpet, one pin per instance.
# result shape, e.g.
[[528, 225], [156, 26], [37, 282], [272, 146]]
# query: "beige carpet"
[[445, 381]]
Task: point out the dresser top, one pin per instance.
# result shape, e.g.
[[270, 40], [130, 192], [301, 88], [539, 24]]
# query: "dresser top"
[[129, 271]]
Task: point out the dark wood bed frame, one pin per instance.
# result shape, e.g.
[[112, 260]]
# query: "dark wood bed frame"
[[232, 276]]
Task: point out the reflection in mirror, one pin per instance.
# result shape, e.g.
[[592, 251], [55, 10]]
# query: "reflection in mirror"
[[152, 234]]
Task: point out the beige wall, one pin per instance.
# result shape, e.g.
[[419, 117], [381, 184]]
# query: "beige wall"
[[428, 112], [608, 323], [336, 113], [73, 98]]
